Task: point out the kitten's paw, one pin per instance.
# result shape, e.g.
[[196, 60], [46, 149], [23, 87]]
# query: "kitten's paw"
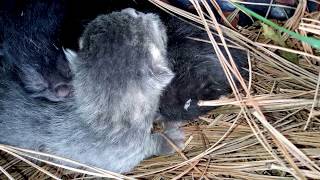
[[176, 135]]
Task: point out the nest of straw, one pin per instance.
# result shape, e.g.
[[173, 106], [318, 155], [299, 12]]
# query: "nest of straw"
[[270, 129]]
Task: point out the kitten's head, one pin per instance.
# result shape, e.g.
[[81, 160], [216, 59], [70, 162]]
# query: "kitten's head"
[[126, 45], [122, 61]]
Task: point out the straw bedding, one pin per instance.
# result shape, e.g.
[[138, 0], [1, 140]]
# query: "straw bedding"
[[268, 129]]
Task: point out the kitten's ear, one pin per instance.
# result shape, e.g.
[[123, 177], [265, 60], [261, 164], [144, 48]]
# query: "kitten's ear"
[[71, 56], [160, 64]]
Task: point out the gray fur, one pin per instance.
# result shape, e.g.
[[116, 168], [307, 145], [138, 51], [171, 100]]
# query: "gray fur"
[[118, 81]]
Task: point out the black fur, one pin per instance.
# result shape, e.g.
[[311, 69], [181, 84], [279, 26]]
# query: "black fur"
[[199, 75]]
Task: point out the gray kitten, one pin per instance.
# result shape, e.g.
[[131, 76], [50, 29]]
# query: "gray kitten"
[[119, 74]]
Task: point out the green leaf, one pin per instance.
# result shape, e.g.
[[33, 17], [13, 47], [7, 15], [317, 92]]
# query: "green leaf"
[[289, 56], [268, 32]]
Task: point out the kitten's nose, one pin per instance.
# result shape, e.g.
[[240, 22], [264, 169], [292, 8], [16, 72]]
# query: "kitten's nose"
[[63, 90]]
